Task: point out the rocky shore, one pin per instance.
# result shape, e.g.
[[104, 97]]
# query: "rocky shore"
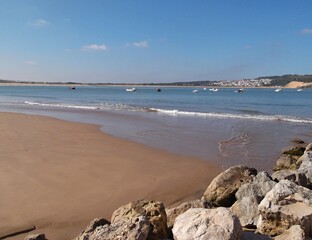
[[240, 203]]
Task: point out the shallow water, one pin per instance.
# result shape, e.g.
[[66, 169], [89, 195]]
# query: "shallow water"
[[223, 127]]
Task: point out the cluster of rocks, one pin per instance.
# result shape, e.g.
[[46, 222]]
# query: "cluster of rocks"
[[240, 203]]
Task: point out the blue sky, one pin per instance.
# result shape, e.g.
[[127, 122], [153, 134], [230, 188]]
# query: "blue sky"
[[138, 41]]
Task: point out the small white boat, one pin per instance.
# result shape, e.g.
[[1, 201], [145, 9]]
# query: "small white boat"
[[204, 89], [195, 91], [213, 89], [130, 89], [278, 89], [299, 89]]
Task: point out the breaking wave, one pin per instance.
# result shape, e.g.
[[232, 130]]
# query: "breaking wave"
[[104, 106], [234, 116], [108, 106]]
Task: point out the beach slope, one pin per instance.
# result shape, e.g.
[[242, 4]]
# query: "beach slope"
[[56, 176]]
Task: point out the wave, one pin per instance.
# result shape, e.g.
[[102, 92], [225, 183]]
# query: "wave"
[[103, 106], [108, 106], [234, 116]]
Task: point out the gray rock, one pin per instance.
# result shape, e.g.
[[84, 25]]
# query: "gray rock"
[[306, 165], [172, 213], [261, 184], [152, 210], [124, 229], [291, 175], [39, 236], [248, 198], [293, 233], [222, 189], [285, 205], [98, 222], [246, 209], [212, 224]]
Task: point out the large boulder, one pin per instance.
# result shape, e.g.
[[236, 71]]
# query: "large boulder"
[[132, 228], [222, 189], [152, 210], [306, 165], [248, 198], [212, 224], [293, 233], [285, 205], [172, 213]]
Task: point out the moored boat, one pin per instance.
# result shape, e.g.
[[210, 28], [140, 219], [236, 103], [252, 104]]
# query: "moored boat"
[[130, 89]]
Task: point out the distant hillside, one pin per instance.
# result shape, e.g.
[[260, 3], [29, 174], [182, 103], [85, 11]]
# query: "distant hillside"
[[266, 81], [285, 79]]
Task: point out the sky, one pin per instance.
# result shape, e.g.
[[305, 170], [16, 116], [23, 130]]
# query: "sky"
[[153, 41]]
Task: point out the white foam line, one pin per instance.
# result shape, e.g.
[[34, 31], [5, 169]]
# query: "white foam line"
[[234, 116]]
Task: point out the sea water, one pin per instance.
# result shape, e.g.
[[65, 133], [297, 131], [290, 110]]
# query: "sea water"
[[224, 127]]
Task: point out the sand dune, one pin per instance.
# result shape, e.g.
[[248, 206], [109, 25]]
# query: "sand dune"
[[294, 84]]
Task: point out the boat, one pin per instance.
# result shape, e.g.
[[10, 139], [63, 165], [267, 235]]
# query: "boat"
[[130, 89], [241, 90], [195, 91], [213, 89], [158, 90], [278, 90], [299, 89], [204, 89]]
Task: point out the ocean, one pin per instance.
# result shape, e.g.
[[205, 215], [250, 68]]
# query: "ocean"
[[224, 127]]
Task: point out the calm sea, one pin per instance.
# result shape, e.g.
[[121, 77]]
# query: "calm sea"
[[224, 127]]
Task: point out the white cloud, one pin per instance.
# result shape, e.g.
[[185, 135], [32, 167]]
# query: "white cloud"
[[142, 44], [29, 62], [39, 23], [306, 31], [95, 47]]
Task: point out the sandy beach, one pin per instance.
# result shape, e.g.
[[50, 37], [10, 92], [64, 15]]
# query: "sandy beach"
[[58, 176]]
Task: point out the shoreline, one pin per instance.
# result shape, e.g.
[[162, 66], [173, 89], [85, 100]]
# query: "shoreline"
[[291, 85], [58, 175]]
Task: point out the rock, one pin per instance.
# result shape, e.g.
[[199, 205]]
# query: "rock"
[[291, 175], [247, 235], [293, 150], [246, 209], [261, 184], [285, 205], [201, 224], [248, 198], [222, 189], [285, 162], [306, 165], [297, 140], [124, 229], [153, 211], [98, 222], [293, 233], [172, 213], [39, 236]]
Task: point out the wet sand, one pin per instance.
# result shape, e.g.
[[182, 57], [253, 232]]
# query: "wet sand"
[[58, 175]]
